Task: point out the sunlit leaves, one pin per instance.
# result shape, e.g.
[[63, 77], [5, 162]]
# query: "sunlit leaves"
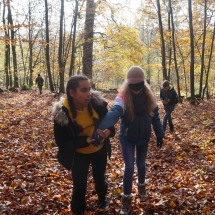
[[179, 178]]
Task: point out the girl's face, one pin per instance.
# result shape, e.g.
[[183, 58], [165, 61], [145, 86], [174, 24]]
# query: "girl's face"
[[81, 95]]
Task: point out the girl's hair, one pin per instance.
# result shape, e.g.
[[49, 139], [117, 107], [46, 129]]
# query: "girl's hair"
[[126, 94], [72, 84]]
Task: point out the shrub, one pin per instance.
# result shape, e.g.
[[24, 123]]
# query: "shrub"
[[25, 87]]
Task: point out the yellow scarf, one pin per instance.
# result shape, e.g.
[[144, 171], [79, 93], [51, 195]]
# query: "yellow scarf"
[[84, 119]]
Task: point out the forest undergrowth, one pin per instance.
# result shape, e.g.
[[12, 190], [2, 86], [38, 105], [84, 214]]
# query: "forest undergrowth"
[[180, 175]]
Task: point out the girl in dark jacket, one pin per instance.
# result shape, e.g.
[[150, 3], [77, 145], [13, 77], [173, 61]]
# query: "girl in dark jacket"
[[136, 107], [75, 119]]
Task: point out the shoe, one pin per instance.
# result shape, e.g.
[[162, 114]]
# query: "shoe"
[[103, 205], [142, 190], [126, 205], [171, 129]]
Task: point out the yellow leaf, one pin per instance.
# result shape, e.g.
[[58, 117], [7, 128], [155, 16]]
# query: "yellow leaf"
[[178, 185], [172, 204], [117, 192], [211, 157], [168, 187]]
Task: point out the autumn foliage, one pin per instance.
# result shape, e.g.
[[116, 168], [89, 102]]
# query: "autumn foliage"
[[180, 176]]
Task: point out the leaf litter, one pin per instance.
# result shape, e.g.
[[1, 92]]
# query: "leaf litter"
[[180, 176]]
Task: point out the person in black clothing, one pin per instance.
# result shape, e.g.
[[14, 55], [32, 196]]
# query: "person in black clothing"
[[76, 119], [39, 82], [169, 99]]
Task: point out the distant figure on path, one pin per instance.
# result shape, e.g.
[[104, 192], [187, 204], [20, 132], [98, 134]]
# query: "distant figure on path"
[[169, 98], [39, 82]]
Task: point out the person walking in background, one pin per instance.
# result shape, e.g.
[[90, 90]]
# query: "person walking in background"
[[136, 106], [169, 99], [76, 119], [39, 82]]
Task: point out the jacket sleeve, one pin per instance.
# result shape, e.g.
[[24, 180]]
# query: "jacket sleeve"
[[111, 117], [157, 126], [66, 140], [161, 95]]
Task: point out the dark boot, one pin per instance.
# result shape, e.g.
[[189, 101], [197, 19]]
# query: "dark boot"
[[102, 203], [142, 190], [171, 128], [126, 204], [78, 204]]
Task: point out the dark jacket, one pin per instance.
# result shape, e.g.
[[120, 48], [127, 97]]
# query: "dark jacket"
[[39, 81], [136, 132], [171, 96], [65, 135]]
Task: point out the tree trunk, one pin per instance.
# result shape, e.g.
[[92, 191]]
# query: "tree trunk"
[[163, 51], [7, 49], [184, 68], [72, 64], [47, 48], [87, 59], [30, 44], [25, 78], [13, 43], [203, 49], [192, 56], [174, 49], [60, 51], [209, 63], [169, 47]]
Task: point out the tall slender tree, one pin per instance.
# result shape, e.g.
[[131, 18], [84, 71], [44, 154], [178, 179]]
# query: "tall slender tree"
[[13, 44], [192, 54], [87, 59], [163, 49], [174, 49], [60, 50], [72, 64], [203, 49], [7, 49], [47, 47], [209, 64]]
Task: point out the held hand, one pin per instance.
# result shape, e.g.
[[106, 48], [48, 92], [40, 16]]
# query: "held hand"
[[97, 138], [159, 141], [90, 140], [105, 133]]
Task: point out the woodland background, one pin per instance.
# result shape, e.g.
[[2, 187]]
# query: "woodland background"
[[171, 40], [101, 39]]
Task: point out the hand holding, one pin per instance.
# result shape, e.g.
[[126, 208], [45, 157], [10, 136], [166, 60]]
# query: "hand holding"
[[159, 141], [97, 138], [90, 140], [165, 102], [105, 133]]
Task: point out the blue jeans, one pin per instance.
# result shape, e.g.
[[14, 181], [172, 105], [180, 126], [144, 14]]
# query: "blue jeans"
[[129, 159], [167, 118]]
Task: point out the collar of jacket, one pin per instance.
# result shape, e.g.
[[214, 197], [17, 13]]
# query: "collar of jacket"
[[60, 113]]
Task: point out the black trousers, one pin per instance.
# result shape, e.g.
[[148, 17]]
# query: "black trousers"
[[80, 168], [40, 88]]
